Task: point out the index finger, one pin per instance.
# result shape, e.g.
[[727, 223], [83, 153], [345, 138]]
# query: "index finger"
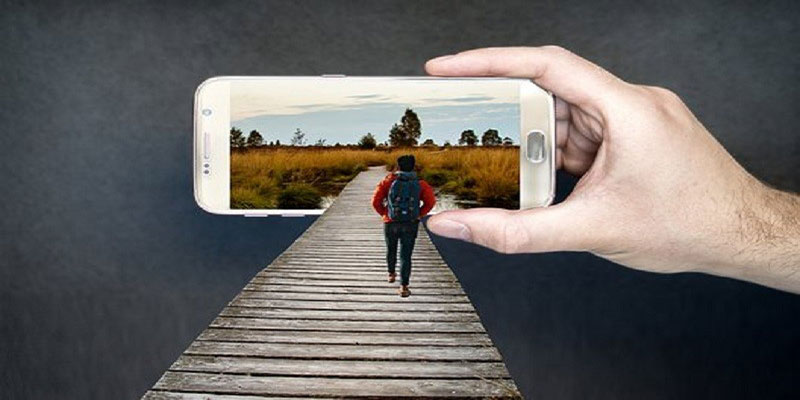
[[570, 77]]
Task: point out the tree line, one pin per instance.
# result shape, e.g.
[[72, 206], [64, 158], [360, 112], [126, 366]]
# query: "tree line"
[[406, 133]]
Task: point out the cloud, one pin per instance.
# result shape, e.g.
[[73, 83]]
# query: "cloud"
[[364, 96], [253, 98], [314, 105], [467, 99]]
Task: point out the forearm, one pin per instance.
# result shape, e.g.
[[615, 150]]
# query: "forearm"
[[768, 241]]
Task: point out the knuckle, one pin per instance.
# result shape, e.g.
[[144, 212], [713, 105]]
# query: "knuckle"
[[556, 50], [664, 102], [664, 95], [514, 235]]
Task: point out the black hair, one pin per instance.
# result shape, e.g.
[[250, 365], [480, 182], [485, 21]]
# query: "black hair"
[[406, 163]]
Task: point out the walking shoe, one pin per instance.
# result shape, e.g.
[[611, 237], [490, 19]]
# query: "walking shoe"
[[404, 292], [392, 277]]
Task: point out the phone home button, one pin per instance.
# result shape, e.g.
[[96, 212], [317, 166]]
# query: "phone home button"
[[534, 146]]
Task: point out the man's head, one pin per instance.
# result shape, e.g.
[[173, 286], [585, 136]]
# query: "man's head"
[[406, 163]]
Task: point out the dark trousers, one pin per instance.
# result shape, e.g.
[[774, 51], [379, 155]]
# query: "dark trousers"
[[406, 234]]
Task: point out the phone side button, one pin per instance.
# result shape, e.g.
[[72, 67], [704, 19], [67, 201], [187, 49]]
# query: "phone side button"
[[206, 145], [256, 215], [292, 215], [333, 75]]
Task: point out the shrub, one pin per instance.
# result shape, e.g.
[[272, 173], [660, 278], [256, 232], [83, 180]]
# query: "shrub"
[[299, 196], [438, 177]]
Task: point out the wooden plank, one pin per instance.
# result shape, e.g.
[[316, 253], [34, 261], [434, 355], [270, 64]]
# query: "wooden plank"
[[257, 287], [316, 250], [378, 265], [160, 395], [341, 305], [365, 276], [363, 387], [317, 258], [399, 352], [379, 273], [354, 338], [371, 298], [339, 315], [323, 282], [339, 368], [345, 325]]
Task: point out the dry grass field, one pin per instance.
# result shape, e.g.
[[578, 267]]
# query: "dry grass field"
[[298, 177]]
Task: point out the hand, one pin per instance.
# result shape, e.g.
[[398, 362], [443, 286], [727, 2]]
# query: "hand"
[[657, 191]]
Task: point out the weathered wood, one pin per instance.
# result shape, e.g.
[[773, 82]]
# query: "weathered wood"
[[326, 282], [159, 395], [371, 277], [257, 287], [371, 298], [317, 337], [399, 352], [364, 387], [339, 315], [334, 368], [344, 325], [351, 305], [321, 321]]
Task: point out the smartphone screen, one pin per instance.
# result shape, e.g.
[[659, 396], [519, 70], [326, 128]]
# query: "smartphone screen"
[[295, 144]]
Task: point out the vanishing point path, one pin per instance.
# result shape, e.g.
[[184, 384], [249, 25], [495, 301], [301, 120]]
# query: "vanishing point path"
[[322, 322]]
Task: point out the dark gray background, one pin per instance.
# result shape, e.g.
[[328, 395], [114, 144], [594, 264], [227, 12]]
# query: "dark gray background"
[[108, 269]]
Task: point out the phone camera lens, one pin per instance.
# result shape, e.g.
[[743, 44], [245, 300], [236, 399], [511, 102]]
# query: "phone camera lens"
[[206, 112]]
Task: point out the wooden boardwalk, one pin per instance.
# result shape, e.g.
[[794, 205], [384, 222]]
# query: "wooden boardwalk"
[[322, 322]]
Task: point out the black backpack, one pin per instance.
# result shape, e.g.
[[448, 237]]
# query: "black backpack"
[[403, 198]]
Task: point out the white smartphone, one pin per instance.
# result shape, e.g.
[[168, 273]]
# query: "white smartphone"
[[287, 145]]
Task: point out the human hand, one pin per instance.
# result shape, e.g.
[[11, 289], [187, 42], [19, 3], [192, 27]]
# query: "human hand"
[[657, 191]]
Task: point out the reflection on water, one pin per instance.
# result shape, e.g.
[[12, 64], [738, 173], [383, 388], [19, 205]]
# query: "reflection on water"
[[446, 202], [327, 201]]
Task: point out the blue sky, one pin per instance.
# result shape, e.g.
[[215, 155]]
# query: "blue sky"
[[347, 125], [343, 110]]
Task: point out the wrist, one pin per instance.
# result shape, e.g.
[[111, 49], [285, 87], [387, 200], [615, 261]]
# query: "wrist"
[[767, 241]]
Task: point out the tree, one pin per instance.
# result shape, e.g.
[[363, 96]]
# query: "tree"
[[507, 141], [491, 138], [408, 131], [367, 141], [271, 143], [277, 142], [429, 142], [254, 139], [320, 142], [237, 139], [446, 143], [298, 138], [468, 138]]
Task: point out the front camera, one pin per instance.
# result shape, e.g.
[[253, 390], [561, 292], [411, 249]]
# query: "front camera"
[[206, 111]]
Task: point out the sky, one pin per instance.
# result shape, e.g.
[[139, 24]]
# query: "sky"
[[343, 110]]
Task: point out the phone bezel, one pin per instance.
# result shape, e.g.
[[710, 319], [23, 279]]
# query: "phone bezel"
[[212, 191]]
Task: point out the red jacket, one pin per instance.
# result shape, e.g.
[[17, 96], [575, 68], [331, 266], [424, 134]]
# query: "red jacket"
[[382, 190]]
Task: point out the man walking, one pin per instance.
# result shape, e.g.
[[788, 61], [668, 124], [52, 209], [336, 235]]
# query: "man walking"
[[397, 199]]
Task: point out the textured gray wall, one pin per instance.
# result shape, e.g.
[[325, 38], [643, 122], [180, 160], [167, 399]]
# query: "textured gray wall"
[[108, 269]]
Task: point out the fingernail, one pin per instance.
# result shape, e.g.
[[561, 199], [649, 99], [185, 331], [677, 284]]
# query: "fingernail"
[[442, 58], [451, 229]]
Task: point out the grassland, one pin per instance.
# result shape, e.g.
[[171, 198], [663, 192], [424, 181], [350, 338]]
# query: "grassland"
[[298, 177]]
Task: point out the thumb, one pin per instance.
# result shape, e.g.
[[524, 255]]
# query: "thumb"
[[556, 228]]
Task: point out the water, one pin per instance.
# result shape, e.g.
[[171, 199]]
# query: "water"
[[445, 202]]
